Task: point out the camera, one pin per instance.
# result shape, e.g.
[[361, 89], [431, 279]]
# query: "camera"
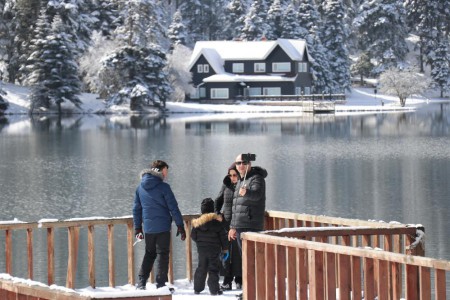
[[248, 157]]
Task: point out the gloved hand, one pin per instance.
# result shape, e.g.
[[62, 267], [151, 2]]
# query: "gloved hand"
[[182, 232], [224, 256], [139, 234]]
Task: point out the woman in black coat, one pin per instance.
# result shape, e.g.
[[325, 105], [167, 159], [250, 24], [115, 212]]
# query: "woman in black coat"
[[224, 203]]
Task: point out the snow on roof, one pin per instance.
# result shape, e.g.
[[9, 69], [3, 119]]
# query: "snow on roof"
[[227, 77], [216, 52]]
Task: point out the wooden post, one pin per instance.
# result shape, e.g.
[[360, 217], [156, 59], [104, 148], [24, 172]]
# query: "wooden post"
[[30, 252], [425, 283], [73, 234], [291, 273], [439, 285], [260, 270], [8, 251], [269, 255], [248, 268], [50, 256], [369, 285], [281, 271], [91, 256], [316, 274], [302, 274], [383, 280], [330, 275], [412, 285], [356, 278], [187, 226], [130, 238], [112, 268]]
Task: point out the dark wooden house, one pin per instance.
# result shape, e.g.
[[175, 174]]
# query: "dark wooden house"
[[236, 70]]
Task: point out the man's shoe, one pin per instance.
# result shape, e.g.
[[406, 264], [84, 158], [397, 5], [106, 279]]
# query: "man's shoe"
[[219, 292], [142, 283], [197, 293], [226, 287]]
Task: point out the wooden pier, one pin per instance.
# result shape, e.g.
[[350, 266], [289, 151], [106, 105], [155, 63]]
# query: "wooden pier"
[[323, 257]]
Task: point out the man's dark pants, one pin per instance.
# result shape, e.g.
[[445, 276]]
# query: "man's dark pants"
[[156, 244]]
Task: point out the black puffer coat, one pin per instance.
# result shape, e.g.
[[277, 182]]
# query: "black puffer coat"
[[249, 210], [209, 231], [225, 199]]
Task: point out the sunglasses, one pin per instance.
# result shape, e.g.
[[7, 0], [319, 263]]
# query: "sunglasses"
[[232, 175], [238, 163]]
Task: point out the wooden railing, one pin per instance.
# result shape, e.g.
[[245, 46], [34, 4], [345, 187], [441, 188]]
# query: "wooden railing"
[[291, 268], [274, 220]]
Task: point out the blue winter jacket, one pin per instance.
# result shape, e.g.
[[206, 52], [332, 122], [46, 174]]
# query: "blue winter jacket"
[[155, 204]]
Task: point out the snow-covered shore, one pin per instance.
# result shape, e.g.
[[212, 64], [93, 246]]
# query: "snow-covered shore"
[[359, 100]]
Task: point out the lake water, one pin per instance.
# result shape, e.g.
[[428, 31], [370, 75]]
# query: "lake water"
[[390, 167]]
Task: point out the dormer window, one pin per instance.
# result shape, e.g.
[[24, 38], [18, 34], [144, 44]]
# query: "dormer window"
[[203, 68], [302, 67]]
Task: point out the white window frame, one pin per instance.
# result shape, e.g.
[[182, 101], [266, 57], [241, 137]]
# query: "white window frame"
[[298, 90], [281, 67], [302, 67], [202, 92], [206, 68], [254, 91], [259, 67], [272, 91], [219, 93], [199, 68], [307, 90], [238, 68]]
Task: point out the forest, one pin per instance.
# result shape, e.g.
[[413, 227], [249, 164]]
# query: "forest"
[[136, 52]]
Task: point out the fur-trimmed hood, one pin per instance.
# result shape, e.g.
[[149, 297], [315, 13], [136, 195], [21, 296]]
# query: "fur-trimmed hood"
[[154, 172], [205, 218]]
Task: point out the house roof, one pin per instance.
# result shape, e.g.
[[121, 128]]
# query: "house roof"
[[216, 52]]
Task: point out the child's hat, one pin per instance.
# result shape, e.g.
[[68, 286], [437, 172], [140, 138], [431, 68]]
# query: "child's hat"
[[207, 206]]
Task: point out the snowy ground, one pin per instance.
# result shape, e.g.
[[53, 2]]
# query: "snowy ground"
[[359, 100]]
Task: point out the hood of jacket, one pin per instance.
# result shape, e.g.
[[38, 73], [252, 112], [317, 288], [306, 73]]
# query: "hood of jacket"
[[227, 182], [151, 178], [257, 170], [205, 218]]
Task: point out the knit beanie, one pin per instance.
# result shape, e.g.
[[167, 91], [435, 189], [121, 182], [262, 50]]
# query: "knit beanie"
[[207, 206]]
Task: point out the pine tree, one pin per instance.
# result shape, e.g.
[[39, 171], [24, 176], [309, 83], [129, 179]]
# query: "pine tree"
[[107, 14], [54, 72], [309, 22], [440, 71], [274, 20], [289, 24], [234, 19], [334, 39], [177, 31], [382, 32], [255, 26], [136, 76]]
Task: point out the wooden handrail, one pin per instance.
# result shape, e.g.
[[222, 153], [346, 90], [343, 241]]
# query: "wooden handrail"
[[374, 237], [319, 261]]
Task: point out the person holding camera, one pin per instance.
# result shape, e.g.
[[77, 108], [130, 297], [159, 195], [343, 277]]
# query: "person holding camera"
[[232, 267], [249, 200], [154, 207]]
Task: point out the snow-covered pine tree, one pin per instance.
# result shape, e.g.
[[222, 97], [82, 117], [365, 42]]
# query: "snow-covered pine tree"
[[107, 14], [255, 26], [309, 21], [234, 19], [274, 20], [382, 32], [6, 36], [24, 16], [136, 75], [362, 67], [54, 72], [440, 68], [289, 24], [334, 38], [177, 31]]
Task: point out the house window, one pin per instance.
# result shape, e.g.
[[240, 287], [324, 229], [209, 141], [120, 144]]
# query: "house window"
[[272, 91], [307, 90], [202, 92], [302, 67], [260, 67], [238, 68], [298, 90], [219, 93], [199, 68], [281, 67], [206, 68], [254, 91]]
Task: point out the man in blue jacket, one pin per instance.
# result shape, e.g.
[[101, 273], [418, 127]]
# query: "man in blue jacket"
[[155, 206]]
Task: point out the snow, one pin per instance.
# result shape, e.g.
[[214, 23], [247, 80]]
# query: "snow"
[[360, 100]]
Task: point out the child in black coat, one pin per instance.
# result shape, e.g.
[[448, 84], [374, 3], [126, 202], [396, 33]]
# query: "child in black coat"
[[210, 235]]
